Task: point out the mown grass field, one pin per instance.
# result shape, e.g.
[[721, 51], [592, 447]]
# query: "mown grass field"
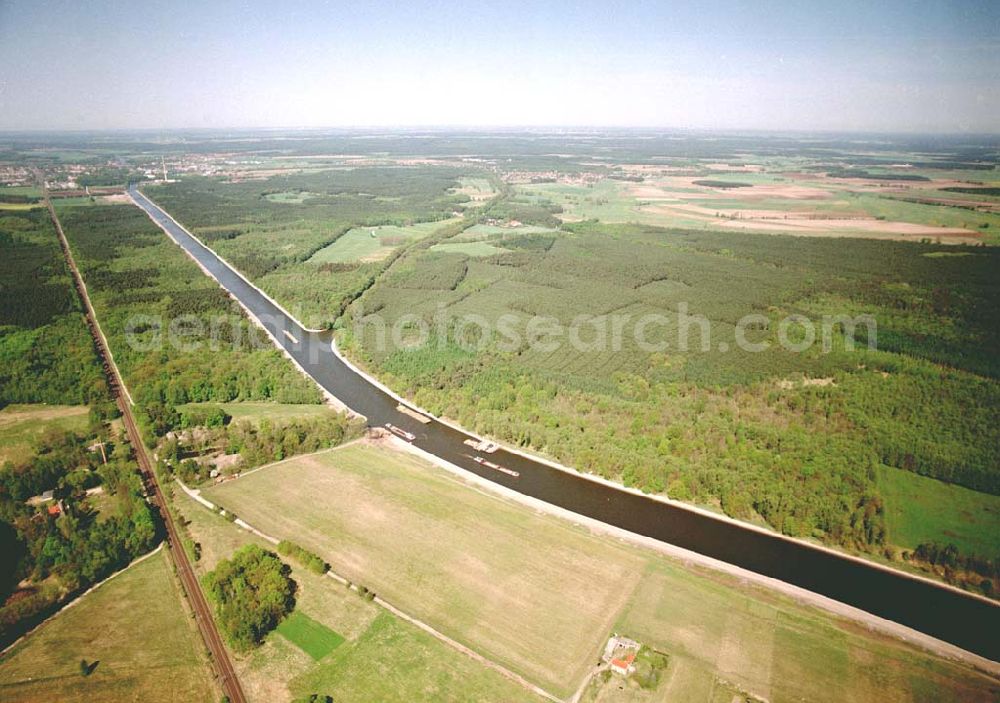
[[137, 631], [540, 595], [314, 638], [382, 658], [777, 650], [453, 557], [922, 509], [22, 425]]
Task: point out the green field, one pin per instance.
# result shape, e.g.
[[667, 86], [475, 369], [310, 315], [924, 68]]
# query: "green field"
[[314, 638], [468, 248], [136, 632], [394, 661], [81, 201], [29, 191], [381, 658], [482, 231], [922, 509], [291, 197], [540, 595], [479, 190], [22, 425], [359, 244]]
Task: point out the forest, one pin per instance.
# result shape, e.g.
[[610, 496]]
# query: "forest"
[[790, 440], [794, 441], [46, 354], [141, 284]]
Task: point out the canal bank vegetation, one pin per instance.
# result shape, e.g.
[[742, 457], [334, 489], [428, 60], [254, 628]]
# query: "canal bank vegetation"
[[452, 556]]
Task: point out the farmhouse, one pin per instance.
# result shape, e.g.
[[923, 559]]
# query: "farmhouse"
[[619, 654]]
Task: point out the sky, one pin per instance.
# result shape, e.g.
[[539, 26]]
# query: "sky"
[[884, 66]]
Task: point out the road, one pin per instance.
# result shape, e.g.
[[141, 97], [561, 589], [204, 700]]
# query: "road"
[[945, 613], [196, 597]]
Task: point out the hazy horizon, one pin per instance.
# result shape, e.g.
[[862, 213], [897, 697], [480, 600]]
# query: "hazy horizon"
[[896, 68]]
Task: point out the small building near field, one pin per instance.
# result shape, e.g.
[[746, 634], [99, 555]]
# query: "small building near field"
[[623, 666], [620, 653]]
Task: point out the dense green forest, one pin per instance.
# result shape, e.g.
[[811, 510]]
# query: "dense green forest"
[[141, 284], [46, 354], [790, 439]]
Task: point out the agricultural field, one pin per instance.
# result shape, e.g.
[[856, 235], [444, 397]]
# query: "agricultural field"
[[402, 528], [803, 204], [111, 629], [376, 657], [468, 248], [478, 190], [486, 591], [720, 638], [21, 426]]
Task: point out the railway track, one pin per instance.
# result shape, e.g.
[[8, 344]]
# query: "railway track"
[[189, 580]]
